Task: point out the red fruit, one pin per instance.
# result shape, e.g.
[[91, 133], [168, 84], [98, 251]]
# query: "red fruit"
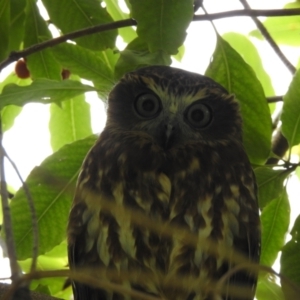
[[21, 69]]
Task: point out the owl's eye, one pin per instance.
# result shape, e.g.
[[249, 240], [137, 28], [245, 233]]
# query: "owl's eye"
[[198, 115], [147, 105]]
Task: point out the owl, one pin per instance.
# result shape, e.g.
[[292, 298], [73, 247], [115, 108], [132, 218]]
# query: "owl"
[[172, 154]]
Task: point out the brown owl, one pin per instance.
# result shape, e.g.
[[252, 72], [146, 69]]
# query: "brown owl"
[[171, 151]]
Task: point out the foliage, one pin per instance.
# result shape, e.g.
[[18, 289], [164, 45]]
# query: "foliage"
[[160, 33]]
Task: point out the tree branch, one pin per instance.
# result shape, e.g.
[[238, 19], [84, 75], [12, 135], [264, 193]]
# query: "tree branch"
[[270, 40], [249, 13], [15, 55], [274, 99]]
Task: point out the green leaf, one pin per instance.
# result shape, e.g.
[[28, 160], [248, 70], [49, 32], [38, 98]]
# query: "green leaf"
[[10, 112], [137, 55], [73, 15], [97, 67], [51, 186], [270, 183], [284, 30], [275, 219], [268, 289], [4, 27], [251, 56], [230, 70], [43, 91], [291, 112], [127, 33], [74, 117], [180, 54], [41, 64], [17, 18], [162, 24], [56, 259], [290, 262]]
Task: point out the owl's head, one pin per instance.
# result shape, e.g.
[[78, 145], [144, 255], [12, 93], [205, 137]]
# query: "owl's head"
[[174, 107]]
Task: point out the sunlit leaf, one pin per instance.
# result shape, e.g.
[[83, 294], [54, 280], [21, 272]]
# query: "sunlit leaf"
[[290, 262], [113, 8], [270, 183], [251, 56], [42, 63], [43, 91], [284, 30], [230, 70], [180, 54], [268, 289], [162, 24], [10, 112], [51, 186], [73, 115], [137, 55], [69, 16], [291, 112], [275, 219]]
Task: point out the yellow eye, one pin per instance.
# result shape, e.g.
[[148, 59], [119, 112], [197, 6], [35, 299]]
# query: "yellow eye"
[[198, 115], [147, 105]]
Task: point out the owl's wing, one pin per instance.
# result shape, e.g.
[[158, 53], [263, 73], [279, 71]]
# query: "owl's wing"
[[128, 177], [78, 255], [248, 241]]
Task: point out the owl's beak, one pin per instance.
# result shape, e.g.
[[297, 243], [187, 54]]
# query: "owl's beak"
[[169, 135]]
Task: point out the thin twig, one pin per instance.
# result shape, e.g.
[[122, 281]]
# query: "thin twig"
[[249, 13], [10, 244], [270, 40], [33, 214], [274, 99], [15, 55]]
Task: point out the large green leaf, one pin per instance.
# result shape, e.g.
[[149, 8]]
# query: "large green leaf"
[[95, 66], [51, 186], [10, 112], [113, 8], [275, 219], [162, 24], [137, 55], [268, 289], [73, 15], [4, 27], [74, 117], [40, 64], [230, 70], [290, 262], [56, 259], [43, 91], [285, 30], [17, 18], [270, 183], [248, 51], [291, 112]]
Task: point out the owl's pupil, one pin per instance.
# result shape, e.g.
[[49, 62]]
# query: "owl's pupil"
[[148, 105], [197, 115]]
